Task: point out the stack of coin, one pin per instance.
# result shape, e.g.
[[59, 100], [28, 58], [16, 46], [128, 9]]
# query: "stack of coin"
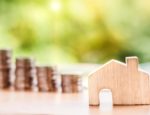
[[42, 78], [24, 73], [5, 68], [53, 80], [71, 83], [45, 79]]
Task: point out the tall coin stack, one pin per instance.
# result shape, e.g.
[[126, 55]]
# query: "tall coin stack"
[[71, 83], [24, 73], [5, 68], [45, 78]]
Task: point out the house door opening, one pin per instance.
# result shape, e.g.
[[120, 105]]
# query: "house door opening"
[[105, 99]]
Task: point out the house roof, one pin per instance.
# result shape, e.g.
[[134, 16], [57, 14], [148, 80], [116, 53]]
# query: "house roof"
[[116, 62]]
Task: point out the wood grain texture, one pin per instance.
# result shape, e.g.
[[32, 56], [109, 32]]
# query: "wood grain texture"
[[129, 84]]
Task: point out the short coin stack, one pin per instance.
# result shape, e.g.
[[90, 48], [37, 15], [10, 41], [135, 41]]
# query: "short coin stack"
[[42, 78], [5, 68], [24, 73], [45, 79], [52, 79], [71, 83]]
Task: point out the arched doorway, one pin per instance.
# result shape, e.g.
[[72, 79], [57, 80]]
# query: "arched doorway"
[[105, 99]]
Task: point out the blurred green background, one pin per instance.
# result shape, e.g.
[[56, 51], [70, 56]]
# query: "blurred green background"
[[72, 31]]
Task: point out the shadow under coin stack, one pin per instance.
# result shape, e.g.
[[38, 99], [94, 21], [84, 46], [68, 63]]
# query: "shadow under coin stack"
[[71, 83], [24, 73], [45, 79], [5, 68]]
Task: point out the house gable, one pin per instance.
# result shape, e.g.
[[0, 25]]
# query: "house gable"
[[109, 63]]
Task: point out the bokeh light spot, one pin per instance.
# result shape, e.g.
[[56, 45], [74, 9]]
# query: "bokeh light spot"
[[55, 6]]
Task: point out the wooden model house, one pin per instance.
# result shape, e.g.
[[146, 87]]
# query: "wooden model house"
[[129, 84]]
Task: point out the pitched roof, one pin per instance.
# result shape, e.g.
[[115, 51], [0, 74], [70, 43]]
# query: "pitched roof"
[[108, 63], [116, 62]]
